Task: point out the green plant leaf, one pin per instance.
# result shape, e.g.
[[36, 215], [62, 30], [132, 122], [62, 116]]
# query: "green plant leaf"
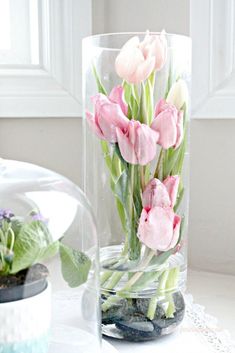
[[30, 245], [16, 224], [121, 188], [75, 266], [99, 84], [149, 101], [106, 153], [161, 258], [50, 251], [145, 280]]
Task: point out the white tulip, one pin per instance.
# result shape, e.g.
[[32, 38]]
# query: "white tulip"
[[178, 94]]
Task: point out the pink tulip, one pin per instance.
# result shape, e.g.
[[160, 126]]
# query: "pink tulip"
[[172, 184], [168, 122], [155, 194], [156, 46], [158, 225], [137, 60], [161, 194], [159, 228], [110, 113], [137, 143]]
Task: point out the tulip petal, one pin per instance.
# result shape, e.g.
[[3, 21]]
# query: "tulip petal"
[[180, 129], [172, 184], [94, 127], [131, 43], [126, 148], [117, 96], [127, 63], [145, 146], [111, 116], [178, 94], [165, 124], [156, 228], [176, 232], [155, 194], [143, 70], [159, 106], [159, 51]]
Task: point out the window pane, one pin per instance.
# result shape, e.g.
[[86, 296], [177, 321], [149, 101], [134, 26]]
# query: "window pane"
[[19, 39]]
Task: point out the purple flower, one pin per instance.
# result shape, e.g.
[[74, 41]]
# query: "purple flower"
[[6, 214], [39, 217]]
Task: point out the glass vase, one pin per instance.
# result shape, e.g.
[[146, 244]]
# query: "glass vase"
[[136, 164]]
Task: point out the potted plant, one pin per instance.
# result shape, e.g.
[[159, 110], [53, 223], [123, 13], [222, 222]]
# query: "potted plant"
[[25, 291]]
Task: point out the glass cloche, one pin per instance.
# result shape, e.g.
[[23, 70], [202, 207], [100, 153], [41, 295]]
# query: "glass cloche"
[[49, 293]]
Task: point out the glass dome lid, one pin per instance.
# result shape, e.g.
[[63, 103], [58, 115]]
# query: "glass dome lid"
[[49, 293]]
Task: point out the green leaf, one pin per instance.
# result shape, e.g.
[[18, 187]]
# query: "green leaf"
[[30, 245], [149, 101], [106, 153], [100, 87], [127, 91], [75, 266], [171, 161], [16, 224], [121, 188], [121, 213], [142, 112], [50, 251], [145, 280], [179, 198], [158, 260]]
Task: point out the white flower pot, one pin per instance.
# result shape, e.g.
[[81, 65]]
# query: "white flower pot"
[[25, 324]]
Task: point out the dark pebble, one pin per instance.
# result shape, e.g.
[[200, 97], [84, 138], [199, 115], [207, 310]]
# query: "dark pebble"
[[129, 317]]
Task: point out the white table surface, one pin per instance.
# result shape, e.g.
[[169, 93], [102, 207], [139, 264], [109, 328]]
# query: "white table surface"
[[216, 292]]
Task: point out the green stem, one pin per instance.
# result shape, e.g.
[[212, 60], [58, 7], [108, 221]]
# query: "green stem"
[[153, 302], [166, 287], [158, 172], [134, 244], [142, 177], [115, 298], [12, 238], [137, 275], [119, 261], [115, 278]]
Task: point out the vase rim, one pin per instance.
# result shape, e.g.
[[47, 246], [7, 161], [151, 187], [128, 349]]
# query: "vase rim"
[[94, 37]]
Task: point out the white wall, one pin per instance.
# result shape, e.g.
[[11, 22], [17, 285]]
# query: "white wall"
[[56, 143]]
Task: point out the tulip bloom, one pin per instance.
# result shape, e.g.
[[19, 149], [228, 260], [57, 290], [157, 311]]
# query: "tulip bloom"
[[178, 94], [110, 113], [159, 226], [137, 60], [137, 143], [168, 122], [162, 194]]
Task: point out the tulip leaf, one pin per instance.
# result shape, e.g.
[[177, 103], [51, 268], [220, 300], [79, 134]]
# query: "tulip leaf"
[[121, 188], [142, 112], [179, 199], [160, 259], [149, 101], [146, 279], [99, 84]]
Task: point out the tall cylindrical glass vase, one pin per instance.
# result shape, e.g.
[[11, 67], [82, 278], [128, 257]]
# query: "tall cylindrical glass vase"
[[136, 132]]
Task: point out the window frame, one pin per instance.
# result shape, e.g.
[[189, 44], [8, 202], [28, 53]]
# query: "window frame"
[[52, 89], [213, 69]]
